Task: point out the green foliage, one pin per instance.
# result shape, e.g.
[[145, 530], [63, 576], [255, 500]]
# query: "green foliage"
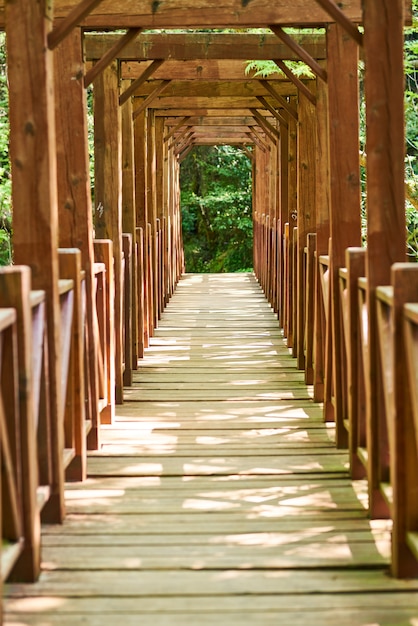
[[216, 204], [5, 182], [265, 69]]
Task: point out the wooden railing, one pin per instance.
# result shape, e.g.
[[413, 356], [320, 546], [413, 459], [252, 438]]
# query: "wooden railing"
[[37, 447], [385, 451]]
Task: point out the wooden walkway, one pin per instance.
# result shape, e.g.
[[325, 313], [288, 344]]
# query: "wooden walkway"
[[218, 496]]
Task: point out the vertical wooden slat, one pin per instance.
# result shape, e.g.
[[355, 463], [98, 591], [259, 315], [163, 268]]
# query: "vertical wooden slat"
[[108, 191], [33, 158], [386, 232]]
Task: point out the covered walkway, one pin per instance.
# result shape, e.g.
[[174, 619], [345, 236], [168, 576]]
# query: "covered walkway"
[[158, 426], [218, 496]]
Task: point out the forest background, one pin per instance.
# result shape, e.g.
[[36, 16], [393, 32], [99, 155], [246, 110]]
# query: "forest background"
[[216, 182]]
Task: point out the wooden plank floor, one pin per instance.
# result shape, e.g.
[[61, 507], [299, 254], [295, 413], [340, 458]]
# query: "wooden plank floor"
[[218, 497]]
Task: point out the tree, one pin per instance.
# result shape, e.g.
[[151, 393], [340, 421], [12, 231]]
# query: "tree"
[[216, 202]]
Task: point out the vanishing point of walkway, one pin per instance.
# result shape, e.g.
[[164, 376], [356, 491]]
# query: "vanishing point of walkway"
[[218, 496]]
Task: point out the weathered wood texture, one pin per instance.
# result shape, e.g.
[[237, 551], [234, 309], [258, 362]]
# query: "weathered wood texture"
[[33, 158], [208, 46], [221, 507], [208, 13]]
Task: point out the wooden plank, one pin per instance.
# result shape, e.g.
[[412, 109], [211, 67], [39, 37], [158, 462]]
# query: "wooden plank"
[[207, 14], [191, 46]]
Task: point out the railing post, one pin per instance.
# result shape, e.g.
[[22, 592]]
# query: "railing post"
[[103, 251], [15, 286], [75, 413], [127, 251]]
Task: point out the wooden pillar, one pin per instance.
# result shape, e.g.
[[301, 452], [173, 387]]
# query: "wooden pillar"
[[306, 208], [74, 196], [140, 137], [322, 232], [345, 218], [108, 191], [283, 214], [34, 187], [159, 190], [129, 213], [386, 232], [152, 217]]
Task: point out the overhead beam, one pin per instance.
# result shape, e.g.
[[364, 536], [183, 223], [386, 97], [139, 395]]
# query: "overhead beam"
[[177, 127], [198, 70], [208, 46], [273, 111], [65, 26], [269, 130], [110, 56], [202, 14], [296, 81], [146, 103], [217, 89], [273, 92], [340, 17], [300, 51], [146, 74]]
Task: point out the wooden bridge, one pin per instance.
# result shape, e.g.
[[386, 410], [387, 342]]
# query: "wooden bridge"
[[223, 447]]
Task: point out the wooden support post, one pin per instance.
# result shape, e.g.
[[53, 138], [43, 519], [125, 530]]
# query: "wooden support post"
[[152, 215], [160, 148], [127, 308], [345, 217], [15, 286], [129, 216], [74, 197], [70, 268], [33, 158], [141, 201], [108, 191], [322, 233], [306, 208], [283, 214], [103, 253], [386, 232]]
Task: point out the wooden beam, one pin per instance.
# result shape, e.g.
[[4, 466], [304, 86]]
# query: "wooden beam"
[[273, 111], [299, 50], [259, 141], [266, 126], [110, 55], [218, 89], [140, 80], [296, 81], [66, 25], [248, 153], [203, 14], [272, 91], [209, 46], [198, 70], [340, 17], [177, 127], [184, 154], [180, 136], [145, 104]]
